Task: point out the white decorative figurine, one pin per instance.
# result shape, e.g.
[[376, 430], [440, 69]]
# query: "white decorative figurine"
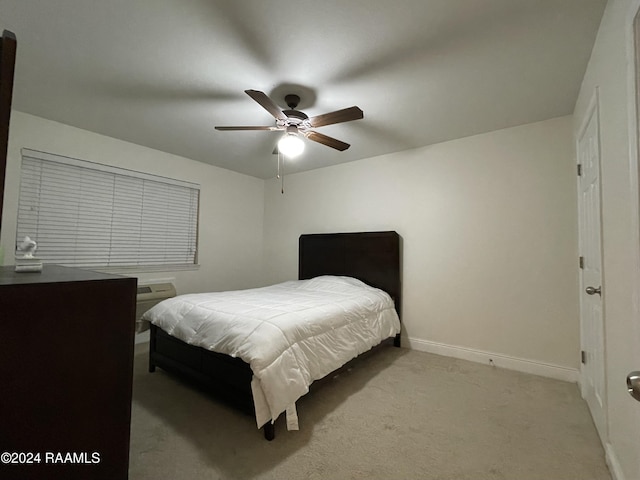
[[26, 262], [27, 247]]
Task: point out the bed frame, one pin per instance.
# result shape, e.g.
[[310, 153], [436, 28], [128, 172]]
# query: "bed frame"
[[373, 257]]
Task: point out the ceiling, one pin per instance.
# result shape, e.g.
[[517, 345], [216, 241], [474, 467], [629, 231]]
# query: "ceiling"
[[163, 73]]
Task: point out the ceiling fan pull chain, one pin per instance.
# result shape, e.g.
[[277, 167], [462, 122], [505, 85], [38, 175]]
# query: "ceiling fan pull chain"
[[278, 175], [282, 177]]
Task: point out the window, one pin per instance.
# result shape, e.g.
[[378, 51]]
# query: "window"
[[85, 214]]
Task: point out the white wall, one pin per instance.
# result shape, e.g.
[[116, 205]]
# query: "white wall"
[[231, 204], [489, 228], [607, 70], [488, 225]]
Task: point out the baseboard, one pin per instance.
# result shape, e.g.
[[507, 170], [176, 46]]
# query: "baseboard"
[[503, 361], [613, 463]]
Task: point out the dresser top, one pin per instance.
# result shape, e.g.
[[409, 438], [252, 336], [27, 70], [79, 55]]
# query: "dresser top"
[[52, 274]]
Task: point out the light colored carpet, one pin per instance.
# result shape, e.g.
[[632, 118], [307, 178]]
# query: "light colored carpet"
[[398, 414]]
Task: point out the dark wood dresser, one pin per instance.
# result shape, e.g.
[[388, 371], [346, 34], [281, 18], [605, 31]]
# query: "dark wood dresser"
[[66, 367]]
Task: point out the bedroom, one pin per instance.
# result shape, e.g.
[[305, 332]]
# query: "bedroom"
[[489, 221]]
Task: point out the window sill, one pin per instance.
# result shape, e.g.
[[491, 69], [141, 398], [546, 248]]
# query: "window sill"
[[146, 269]]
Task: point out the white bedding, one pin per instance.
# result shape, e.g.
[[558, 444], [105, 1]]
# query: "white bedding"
[[290, 334]]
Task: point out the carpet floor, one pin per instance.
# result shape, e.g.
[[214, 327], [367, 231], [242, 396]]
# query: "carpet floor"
[[398, 414]]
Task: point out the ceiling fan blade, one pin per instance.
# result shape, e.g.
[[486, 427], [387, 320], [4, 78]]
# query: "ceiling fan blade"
[[248, 127], [268, 104], [326, 140], [339, 116]]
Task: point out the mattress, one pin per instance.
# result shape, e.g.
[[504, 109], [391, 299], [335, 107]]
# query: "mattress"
[[290, 334]]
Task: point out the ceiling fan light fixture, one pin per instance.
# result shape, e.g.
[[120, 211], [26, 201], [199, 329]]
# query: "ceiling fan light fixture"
[[291, 144]]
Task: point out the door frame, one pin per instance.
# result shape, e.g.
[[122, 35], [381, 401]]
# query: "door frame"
[[632, 33], [633, 79]]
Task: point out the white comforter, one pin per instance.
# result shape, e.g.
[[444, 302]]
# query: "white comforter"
[[290, 334]]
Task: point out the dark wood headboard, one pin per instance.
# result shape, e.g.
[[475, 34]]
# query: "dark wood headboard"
[[373, 257]]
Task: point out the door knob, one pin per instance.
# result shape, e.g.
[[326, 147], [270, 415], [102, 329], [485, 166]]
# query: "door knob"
[[593, 291], [633, 384]]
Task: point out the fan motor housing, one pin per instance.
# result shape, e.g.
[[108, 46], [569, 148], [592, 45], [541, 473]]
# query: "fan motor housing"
[[296, 114]]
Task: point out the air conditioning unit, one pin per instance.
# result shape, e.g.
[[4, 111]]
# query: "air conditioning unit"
[[148, 296]]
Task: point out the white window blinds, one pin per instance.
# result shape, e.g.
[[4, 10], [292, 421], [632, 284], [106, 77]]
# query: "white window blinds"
[[85, 214]]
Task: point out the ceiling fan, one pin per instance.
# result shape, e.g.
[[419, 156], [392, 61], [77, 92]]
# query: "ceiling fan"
[[295, 123]]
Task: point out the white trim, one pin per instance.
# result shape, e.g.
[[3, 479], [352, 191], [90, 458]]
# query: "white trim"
[[634, 193], [150, 281], [633, 154], [612, 462], [593, 104], [134, 269], [498, 360]]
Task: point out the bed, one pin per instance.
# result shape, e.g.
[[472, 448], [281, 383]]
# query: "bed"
[[340, 263]]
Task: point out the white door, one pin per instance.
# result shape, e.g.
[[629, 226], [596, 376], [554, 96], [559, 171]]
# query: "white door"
[[592, 327]]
